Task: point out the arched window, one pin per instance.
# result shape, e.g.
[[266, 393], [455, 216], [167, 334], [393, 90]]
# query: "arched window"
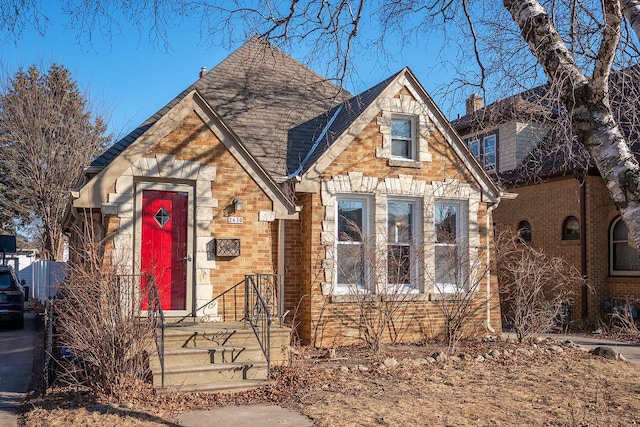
[[624, 259], [571, 228], [524, 231]]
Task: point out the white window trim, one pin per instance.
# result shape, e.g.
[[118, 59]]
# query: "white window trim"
[[613, 272], [462, 242], [489, 166], [350, 288], [412, 140], [415, 259]]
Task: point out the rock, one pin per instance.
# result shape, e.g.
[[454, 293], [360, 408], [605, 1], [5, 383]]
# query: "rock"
[[362, 368], [332, 353], [495, 353], [479, 358], [455, 359], [465, 356], [439, 356], [539, 340], [487, 356], [325, 387], [606, 352], [390, 362], [422, 361], [430, 359], [568, 343], [556, 349], [344, 369], [524, 351]]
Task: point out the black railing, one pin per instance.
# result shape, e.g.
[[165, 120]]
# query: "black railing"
[[260, 301], [256, 306], [156, 315]]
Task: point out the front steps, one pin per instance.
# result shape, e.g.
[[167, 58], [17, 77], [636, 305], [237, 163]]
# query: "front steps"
[[214, 357]]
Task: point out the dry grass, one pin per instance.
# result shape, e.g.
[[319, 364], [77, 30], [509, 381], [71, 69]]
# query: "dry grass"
[[349, 387]]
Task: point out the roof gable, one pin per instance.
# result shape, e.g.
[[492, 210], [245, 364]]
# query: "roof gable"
[[357, 112]]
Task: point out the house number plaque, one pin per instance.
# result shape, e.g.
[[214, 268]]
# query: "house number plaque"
[[234, 220]]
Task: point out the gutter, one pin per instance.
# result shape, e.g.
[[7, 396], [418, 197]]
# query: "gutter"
[[583, 246]]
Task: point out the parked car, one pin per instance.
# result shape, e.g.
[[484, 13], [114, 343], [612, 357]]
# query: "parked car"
[[11, 298]]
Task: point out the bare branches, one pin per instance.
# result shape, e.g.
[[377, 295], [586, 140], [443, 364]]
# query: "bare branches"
[[48, 137]]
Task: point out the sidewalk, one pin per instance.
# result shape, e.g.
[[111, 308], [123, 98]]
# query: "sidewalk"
[[631, 352]]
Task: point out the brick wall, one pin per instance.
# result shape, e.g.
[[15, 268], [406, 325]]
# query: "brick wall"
[[333, 321], [545, 206]]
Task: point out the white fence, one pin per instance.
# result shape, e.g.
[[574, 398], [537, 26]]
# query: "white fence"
[[43, 278]]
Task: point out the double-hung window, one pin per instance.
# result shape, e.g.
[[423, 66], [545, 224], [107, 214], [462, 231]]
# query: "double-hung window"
[[403, 138], [624, 260], [401, 257], [489, 152], [352, 230], [450, 222]]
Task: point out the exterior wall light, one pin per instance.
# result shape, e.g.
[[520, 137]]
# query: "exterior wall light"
[[237, 204]]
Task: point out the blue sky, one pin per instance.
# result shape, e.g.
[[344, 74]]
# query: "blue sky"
[[129, 79]]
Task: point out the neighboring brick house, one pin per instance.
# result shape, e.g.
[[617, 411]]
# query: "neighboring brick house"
[[562, 203], [306, 181]]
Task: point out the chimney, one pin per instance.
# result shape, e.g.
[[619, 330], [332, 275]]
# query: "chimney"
[[203, 71], [474, 103]]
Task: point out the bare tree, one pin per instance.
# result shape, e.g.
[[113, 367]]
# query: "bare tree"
[[534, 288], [573, 44], [47, 137]]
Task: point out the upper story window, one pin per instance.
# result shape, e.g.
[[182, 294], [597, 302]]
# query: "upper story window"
[[524, 231], [489, 152], [403, 138], [352, 230], [401, 256], [485, 148], [450, 226], [571, 228], [623, 253]]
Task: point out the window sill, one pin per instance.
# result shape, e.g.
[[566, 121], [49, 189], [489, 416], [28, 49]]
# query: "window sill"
[[451, 296], [378, 297], [402, 163]]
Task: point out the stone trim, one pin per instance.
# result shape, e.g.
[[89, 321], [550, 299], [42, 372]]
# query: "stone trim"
[[423, 127], [356, 183], [121, 202]]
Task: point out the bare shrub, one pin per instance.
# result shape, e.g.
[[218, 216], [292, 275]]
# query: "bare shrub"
[[623, 317], [379, 275], [534, 288], [459, 299], [101, 329]]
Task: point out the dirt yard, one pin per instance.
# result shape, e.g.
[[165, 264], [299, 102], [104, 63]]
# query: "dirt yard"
[[537, 385]]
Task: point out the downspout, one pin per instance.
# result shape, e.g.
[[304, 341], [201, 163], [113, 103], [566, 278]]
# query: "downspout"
[[583, 246], [489, 228], [281, 252]]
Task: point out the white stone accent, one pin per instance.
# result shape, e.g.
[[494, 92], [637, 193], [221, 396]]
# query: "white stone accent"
[[406, 105], [121, 203], [266, 216], [380, 191]]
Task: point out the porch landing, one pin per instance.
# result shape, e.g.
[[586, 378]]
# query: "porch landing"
[[215, 357]]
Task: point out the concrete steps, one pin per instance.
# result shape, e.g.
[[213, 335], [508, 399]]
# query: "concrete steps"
[[216, 357]]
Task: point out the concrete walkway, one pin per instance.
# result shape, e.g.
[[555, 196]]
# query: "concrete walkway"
[[16, 365], [245, 416], [631, 352]]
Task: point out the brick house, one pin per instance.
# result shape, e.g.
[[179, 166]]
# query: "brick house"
[[263, 166], [562, 203]]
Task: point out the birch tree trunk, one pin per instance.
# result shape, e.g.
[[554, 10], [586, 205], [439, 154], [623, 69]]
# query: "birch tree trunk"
[[587, 98]]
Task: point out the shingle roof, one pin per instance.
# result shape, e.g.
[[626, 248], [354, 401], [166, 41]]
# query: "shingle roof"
[[344, 113], [262, 94], [559, 152]]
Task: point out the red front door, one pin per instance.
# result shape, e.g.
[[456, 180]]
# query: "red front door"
[[163, 249]]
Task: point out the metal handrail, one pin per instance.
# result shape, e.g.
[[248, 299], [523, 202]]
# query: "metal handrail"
[[258, 315], [154, 310]]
